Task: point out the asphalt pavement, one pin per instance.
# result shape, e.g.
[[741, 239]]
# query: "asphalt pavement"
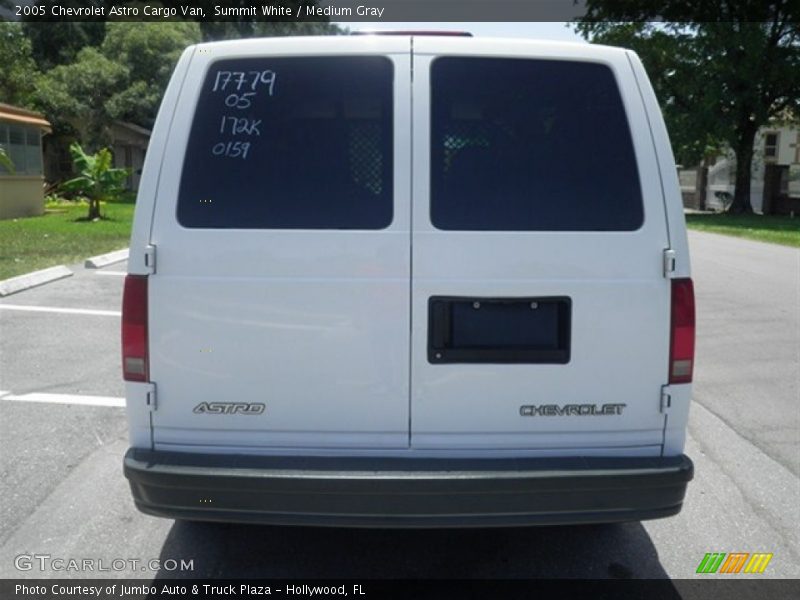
[[64, 494], [748, 340]]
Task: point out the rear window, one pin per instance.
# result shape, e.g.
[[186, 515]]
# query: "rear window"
[[530, 145], [291, 143]]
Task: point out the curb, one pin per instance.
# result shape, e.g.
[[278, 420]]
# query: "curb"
[[103, 260], [29, 280]]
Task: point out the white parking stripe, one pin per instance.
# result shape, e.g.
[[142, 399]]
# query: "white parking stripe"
[[65, 399], [55, 309], [117, 273]]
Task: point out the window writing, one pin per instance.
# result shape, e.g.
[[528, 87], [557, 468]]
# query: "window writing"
[[291, 143]]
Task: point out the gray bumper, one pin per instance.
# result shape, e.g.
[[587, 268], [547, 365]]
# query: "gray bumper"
[[403, 492]]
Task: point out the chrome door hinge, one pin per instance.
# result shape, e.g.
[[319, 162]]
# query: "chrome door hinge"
[[150, 397], [669, 263], [150, 258], [666, 399]]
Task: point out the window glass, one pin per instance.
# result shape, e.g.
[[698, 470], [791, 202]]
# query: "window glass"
[[300, 142], [33, 137], [16, 148], [16, 135], [33, 159], [771, 145], [530, 145], [3, 145]]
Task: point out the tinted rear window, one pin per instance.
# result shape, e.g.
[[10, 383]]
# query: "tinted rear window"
[[536, 145], [301, 142]]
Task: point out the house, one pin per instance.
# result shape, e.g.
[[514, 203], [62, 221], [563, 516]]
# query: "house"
[[775, 183], [22, 189], [128, 145]]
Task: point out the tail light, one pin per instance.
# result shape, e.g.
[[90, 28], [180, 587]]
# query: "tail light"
[[135, 363], [681, 345]]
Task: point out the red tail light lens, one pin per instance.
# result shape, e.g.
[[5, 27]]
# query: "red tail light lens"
[[681, 346], [134, 329]]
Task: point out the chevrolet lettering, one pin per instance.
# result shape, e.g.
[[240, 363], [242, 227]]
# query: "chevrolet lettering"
[[570, 410]]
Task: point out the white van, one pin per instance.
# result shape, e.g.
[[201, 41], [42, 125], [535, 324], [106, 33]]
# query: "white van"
[[408, 280]]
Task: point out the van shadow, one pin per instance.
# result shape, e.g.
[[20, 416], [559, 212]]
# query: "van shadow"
[[619, 551]]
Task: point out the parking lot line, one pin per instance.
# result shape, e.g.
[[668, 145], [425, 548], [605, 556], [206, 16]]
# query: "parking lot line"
[[64, 399], [55, 309], [117, 273]]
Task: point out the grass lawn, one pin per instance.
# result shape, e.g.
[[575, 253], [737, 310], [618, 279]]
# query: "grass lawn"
[[778, 230], [58, 237]]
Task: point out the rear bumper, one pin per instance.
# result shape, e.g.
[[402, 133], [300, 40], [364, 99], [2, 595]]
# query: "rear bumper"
[[402, 492]]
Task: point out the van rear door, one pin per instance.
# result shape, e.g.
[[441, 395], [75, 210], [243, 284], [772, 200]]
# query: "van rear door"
[[540, 308], [279, 308]]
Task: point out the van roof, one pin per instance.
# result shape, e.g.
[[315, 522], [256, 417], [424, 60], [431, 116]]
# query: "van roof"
[[445, 40]]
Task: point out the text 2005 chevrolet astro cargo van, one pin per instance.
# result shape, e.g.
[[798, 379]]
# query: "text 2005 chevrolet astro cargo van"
[[408, 281]]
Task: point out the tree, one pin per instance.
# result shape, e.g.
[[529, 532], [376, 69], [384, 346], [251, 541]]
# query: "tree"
[[5, 160], [226, 30], [669, 60], [18, 70], [75, 97], [58, 43], [149, 54], [97, 180], [722, 69], [276, 29], [122, 79], [119, 71], [247, 27]]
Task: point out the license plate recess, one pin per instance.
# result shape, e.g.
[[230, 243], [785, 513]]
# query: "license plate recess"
[[499, 330]]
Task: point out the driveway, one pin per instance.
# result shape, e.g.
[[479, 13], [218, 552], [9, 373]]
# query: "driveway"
[[748, 340]]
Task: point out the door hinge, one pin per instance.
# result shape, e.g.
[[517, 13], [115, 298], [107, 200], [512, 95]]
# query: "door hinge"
[[150, 397], [150, 258], [666, 399], [669, 263]]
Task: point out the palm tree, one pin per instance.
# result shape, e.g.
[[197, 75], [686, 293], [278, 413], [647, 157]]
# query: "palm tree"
[[97, 179], [5, 160]]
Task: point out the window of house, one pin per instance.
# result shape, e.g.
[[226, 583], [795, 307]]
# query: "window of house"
[[771, 145], [16, 148], [291, 143], [797, 149], [3, 144], [33, 152], [23, 146]]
